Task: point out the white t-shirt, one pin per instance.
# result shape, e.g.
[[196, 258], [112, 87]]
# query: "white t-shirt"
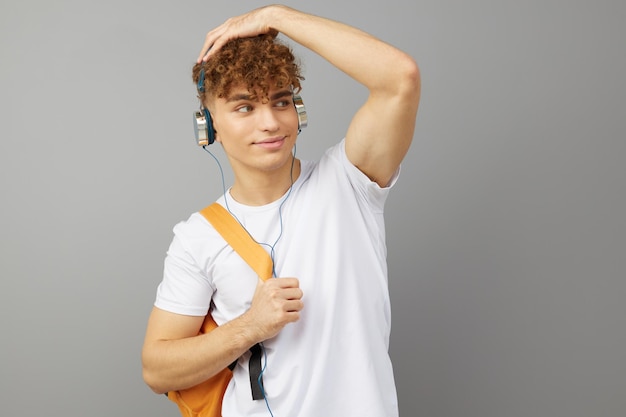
[[334, 361]]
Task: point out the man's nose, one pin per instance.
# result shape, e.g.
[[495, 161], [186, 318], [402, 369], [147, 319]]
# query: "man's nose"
[[268, 120]]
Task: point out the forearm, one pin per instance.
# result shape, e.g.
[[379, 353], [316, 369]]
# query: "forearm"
[[370, 61], [175, 357], [176, 364]]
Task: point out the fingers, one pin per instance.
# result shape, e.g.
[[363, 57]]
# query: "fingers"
[[276, 303], [247, 25], [283, 282], [283, 290], [293, 306], [208, 45], [213, 41]]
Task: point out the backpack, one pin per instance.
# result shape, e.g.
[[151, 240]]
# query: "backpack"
[[205, 399]]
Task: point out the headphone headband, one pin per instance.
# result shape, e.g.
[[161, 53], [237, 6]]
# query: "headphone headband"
[[200, 85]]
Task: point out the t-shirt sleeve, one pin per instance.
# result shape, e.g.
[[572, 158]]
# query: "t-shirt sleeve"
[[367, 189], [185, 288]]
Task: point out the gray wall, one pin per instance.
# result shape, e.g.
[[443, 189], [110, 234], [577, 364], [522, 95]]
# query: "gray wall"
[[507, 240]]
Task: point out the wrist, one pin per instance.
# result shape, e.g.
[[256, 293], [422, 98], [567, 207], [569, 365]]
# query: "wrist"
[[278, 15], [248, 331]]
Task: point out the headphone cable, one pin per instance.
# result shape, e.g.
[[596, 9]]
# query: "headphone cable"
[[272, 250]]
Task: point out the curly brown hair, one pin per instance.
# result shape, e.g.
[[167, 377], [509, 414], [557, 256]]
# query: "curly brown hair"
[[258, 63]]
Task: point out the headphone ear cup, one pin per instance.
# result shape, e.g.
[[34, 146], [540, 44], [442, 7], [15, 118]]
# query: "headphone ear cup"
[[209, 126], [303, 119], [203, 127]]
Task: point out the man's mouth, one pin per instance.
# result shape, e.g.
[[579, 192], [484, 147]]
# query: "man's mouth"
[[271, 143]]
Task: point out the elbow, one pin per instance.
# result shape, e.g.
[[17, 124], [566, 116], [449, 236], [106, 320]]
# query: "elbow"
[[152, 381], [403, 81], [151, 375], [409, 77]]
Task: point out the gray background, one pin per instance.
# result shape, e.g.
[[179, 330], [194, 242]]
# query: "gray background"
[[507, 239]]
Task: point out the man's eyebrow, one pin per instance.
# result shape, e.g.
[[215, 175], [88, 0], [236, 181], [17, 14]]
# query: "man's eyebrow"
[[248, 97], [238, 97], [281, 94]]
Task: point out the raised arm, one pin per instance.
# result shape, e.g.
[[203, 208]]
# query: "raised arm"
[[381, 131]]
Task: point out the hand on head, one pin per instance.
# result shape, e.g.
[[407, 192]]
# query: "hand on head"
[[247, 25]]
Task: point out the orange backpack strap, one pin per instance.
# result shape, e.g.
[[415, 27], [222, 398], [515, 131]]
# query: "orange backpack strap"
[[205, 399], [239, 239], [258, 259]]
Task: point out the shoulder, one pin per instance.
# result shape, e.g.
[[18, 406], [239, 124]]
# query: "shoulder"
[[196, 238], [195, 228], [187, 284]]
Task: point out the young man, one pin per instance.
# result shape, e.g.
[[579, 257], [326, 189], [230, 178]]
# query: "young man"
[[324, 321]]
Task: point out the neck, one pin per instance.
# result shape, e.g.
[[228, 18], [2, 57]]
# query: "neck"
[[257, 189]]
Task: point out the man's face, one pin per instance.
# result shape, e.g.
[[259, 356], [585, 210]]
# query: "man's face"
[[254, 134]]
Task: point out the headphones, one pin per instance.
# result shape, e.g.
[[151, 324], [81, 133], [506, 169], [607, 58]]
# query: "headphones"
[[203, 125]]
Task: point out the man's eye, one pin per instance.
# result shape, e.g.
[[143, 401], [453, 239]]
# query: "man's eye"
[[282, 103], [244, 109]]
